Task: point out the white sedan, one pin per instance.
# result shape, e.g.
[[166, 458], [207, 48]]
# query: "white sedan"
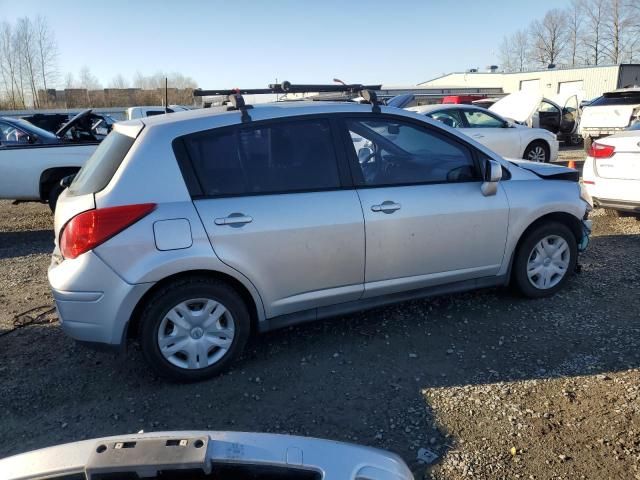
[[611, 172], [504, 137]]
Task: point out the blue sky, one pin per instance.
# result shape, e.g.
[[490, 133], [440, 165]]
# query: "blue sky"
[[250, 43]]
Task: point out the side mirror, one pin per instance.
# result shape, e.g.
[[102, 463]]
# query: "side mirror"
[[493, 174], [66, 181], [364, 154]]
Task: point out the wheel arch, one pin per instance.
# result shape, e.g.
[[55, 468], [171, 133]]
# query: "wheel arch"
[[50, 176], [133, 326], [564, 218]]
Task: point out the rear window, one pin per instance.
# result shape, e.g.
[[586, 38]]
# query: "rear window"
[[277, 158], [102, 165], [628, 98]]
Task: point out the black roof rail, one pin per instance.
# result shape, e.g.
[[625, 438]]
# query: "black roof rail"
[[287, 87], [236, 101]]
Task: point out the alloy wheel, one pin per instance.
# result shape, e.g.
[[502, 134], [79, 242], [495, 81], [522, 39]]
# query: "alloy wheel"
[[548, 262], [537, 154], [196, 333]]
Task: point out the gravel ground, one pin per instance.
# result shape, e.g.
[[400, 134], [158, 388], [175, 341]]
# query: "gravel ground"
[[495, 385]]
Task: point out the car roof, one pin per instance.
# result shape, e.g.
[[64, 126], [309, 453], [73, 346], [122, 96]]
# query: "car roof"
[[214, 117]]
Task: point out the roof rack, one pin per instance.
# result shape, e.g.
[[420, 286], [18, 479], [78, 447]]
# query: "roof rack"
[[235, 100]]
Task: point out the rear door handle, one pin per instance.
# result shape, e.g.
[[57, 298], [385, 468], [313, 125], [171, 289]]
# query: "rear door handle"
[[235, 219], [386, 207]]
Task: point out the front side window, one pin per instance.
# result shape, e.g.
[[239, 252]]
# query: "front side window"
[[448, 117], [478, 119], [10, 135], [390, 152], [277, 158]]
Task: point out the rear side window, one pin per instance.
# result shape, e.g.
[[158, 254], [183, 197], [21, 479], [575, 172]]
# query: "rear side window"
[[276, 158], [102, 165], [631, 98]]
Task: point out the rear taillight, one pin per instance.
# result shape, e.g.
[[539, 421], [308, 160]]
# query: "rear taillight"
[[598, 150], [89, 229]]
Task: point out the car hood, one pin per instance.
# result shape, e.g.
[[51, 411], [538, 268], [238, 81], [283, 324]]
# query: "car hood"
[[518, 106], [546, 170], [67, 126]]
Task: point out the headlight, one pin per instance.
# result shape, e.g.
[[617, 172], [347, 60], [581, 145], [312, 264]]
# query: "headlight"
[[584, 195]]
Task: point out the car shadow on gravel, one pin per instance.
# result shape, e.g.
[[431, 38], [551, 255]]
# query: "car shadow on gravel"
[[21, 243], [358, 378]]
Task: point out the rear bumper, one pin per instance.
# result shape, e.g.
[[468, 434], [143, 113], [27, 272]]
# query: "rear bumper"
[[94, 304], [623, 205]]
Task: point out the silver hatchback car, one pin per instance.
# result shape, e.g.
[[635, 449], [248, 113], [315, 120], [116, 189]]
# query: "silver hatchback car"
[[192, 230]]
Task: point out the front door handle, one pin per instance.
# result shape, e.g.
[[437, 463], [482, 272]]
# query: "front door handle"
[[478, 135], [386, 207], [234, 220]]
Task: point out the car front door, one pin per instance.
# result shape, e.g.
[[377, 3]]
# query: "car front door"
[[492, 132], [426, 219], [277, 208]]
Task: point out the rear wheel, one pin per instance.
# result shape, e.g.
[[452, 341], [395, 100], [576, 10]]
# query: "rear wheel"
[[588, 141], [537, 151], [193, 329], [544, 260]]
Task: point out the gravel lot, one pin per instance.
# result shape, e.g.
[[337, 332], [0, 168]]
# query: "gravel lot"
[[497, 386]]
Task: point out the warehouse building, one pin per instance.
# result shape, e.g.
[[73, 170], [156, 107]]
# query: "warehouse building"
[[588, 82]]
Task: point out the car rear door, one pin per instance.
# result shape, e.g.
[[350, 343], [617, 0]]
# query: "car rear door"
[[426, 219], [278, 208], [491, 131]]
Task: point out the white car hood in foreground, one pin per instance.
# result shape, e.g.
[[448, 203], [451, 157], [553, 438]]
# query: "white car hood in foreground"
[[518, 106]]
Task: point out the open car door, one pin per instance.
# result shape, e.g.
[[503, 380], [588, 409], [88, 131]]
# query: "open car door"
[[570, 116]]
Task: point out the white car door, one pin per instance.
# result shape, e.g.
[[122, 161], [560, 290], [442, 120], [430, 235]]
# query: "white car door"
[[491, 131]]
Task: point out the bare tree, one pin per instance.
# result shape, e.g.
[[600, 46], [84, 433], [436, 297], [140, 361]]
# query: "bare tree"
[[595, 11], [118, 82], [69, 81], [47, 51], [575, 22], [549, 37], [514, 52], [88, 80], [25, 37], [9, 66]]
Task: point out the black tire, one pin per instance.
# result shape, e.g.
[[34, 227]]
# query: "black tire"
[[587, 144], [54, 193], [540, 146], [165, 299], [520, 278]]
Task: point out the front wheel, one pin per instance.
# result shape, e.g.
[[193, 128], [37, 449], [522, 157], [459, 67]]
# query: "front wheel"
[[193, 329], [537, 151], [544, 260]]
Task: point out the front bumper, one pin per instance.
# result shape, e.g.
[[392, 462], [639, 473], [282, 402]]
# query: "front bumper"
[[254, 452], [587, 226], [94, 304]]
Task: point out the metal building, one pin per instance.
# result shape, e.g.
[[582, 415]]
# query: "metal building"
[[590, 82]]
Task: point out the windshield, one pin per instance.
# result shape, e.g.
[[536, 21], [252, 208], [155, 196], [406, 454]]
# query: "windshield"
[[100, 168], [617, 98], [31, 128]]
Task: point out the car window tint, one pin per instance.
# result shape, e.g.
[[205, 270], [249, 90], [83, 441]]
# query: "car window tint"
[[620, 98], [478, 119], [277, 158], [547, 107], [395, 153], [449, 117]]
